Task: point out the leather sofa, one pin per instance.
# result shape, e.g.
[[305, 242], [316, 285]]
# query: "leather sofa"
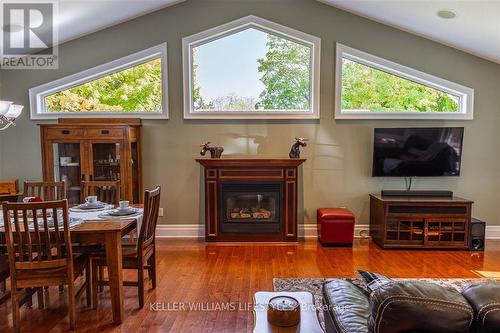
[[410, 307]]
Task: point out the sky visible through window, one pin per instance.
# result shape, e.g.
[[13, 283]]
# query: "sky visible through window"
[[251, 70], [229, 65]]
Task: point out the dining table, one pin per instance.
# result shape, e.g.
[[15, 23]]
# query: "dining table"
[[95, 227]]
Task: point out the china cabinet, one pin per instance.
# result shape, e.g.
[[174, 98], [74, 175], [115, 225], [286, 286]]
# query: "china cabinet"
[[93, 150]]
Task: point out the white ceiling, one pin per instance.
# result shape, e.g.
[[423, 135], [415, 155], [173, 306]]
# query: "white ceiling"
[[81, 17], [475, 29]]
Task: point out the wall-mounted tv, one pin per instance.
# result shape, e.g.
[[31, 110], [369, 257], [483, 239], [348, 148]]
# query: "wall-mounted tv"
[[417, 152]]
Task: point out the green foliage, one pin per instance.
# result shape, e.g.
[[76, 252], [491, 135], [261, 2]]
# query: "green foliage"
[[366, 88], [138, 88], [286, 75], [198, 100], [233, 102]]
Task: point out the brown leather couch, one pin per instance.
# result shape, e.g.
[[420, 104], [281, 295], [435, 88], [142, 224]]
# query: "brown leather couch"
[[410, 307]]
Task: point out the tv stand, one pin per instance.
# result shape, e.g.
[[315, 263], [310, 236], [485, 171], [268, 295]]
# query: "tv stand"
[[420, 222], [409, 193]]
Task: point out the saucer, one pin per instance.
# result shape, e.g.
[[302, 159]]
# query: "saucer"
[[123, 211], [96, 205]]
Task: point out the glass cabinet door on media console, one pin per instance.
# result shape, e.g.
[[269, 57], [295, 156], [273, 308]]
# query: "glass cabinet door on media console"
[[412, 231], [74, 150], [446, 231]]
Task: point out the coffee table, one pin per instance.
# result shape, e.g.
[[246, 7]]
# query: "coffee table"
[[308, 316]]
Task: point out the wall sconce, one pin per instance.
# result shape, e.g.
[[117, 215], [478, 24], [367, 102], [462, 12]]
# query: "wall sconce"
[[8, 114]]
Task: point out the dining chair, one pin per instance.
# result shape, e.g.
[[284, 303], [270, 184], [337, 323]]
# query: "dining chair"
[[40, 253], [138, 255], [4, 275], [106, 191], [47, 191]]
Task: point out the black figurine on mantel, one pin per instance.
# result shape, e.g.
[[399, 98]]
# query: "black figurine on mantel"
[[215, 152], [295, 151]]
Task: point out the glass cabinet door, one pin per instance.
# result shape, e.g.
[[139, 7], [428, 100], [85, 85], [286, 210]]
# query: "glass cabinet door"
[[106, 161], [136, 195], [67, 168]]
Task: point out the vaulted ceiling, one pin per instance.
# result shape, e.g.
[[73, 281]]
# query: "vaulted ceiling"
[[81, 17], [475, 29]]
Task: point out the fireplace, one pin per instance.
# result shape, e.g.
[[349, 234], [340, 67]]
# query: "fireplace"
[[250, 199], [251, 207]]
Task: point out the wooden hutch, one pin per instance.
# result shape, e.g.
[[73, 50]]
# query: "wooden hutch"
[[420, 222], [93, 149]]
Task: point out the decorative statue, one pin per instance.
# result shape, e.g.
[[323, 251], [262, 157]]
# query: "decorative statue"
[[295, 151], [215, 152]]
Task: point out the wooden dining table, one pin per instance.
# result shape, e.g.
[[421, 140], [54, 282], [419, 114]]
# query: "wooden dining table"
[[108, 233]]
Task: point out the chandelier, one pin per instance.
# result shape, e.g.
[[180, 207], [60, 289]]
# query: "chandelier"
[[8, 114]]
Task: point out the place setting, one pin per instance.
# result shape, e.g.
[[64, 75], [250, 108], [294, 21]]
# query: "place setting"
[[124, 210], [91, 204]]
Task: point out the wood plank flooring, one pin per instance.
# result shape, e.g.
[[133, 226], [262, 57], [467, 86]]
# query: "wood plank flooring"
[[198, 274]]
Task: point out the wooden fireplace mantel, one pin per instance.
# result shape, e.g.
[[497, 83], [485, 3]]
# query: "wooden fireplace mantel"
[[251, 162], [279, 170]]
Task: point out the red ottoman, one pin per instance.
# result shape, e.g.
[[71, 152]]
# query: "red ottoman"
[[335, 226]]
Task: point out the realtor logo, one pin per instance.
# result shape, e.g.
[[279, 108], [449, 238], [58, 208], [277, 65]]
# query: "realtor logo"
[[28, 35]]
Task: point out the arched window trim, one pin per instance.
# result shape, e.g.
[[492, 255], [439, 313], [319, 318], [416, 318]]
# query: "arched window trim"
[[247, 22]]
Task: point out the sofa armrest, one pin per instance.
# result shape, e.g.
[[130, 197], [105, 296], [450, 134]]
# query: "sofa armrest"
[[346, 307], [485, 300]]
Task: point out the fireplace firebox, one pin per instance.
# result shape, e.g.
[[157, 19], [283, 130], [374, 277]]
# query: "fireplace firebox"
[[251, 207], [251, 199]]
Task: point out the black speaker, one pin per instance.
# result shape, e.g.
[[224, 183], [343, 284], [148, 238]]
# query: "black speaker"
[[477, 235]]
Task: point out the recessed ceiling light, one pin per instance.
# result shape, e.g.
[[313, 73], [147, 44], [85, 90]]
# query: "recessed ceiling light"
[[446, 14]]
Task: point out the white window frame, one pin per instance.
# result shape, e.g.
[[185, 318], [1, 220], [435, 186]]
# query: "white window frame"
[[247, 22], [38, 94], [465, 94]]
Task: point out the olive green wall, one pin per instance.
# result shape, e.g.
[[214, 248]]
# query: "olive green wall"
[[337, 172]]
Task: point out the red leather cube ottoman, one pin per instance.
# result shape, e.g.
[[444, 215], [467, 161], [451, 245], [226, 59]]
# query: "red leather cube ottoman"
[[335, 226]]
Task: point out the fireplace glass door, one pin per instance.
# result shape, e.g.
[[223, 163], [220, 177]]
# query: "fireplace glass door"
[[251, 207]]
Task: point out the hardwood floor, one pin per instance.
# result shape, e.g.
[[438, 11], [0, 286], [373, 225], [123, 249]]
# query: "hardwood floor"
[[192, 273]]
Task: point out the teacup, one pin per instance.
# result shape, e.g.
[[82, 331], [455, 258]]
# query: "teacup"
[[124, 204], [92, 199]]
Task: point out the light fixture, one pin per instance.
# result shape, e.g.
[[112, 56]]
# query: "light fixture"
[[8, 114], [446, 14]]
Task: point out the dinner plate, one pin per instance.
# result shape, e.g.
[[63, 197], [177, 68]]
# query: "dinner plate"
[[90, 206], [123, 212]]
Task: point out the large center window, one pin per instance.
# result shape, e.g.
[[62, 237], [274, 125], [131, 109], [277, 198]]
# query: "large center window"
[[251, 68]]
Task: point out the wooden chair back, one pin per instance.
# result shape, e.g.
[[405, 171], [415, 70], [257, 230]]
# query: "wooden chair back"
[[106, 191], [150, 218], [48, 191], [38, 242]]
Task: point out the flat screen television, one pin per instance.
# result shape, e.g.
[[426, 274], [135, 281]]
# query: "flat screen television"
[[417, 152]]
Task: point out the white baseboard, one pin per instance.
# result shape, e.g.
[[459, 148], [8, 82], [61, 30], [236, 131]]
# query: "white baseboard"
[[198, 231], [305, 231], [493, 232], [180, 231]]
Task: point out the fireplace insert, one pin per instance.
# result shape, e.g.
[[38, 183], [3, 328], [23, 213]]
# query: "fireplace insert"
[[251, 207]]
